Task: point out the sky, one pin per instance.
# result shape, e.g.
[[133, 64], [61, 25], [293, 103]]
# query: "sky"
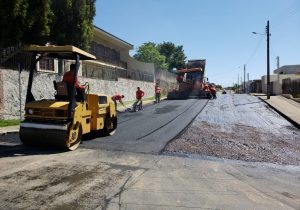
[[219, 31]]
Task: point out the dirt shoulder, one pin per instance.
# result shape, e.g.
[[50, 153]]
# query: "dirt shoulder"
[[243, 128]]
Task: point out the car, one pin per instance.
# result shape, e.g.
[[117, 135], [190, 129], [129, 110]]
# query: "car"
[[224, 92]]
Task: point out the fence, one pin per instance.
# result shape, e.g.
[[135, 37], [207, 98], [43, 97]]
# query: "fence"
[[98, 71], [291, 87], [107, 72], [22, 58]]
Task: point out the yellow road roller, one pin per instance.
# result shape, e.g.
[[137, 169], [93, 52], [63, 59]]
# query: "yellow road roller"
[[61, 121]]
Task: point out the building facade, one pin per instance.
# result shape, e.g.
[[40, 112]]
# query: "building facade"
[[113, 72], [284, 80]]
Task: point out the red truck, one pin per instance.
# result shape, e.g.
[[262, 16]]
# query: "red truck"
[[190, 81]]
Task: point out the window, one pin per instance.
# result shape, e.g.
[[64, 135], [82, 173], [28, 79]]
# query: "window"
[[47, 64], [102, 100]]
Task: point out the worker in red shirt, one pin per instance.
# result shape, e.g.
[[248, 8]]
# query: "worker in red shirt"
[[138, 95], [157, 93], [116, 98], [69, 77]]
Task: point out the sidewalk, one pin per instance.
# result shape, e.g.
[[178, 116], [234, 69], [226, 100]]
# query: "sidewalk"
[[9, 129], [286, 107], [145, 102]]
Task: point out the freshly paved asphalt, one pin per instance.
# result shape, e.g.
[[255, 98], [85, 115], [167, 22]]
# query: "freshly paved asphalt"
[[149, 130]]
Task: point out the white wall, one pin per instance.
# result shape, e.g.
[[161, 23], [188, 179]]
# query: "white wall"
[[277, 82], [43, 89]]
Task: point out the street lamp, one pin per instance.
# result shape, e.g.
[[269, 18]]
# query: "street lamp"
[[258, 33], [268, 57]]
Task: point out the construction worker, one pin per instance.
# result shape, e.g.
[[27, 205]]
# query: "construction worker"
[[69, 78], [207, 92], [157, 93], [138, 95], [213, 91], [179, 78], [116, 98]]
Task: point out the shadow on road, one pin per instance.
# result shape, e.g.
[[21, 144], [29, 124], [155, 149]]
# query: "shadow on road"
[[20, 150]]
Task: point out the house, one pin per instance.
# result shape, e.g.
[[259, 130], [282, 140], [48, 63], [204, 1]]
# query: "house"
[[285, 79]]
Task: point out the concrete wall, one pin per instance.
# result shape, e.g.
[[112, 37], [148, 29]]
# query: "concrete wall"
[[43, 89], [276, 80]]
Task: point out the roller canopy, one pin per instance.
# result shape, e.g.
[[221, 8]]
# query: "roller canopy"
[[61, 52]]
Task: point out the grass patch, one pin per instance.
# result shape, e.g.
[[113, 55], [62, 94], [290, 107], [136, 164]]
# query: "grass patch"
[[4, 123]]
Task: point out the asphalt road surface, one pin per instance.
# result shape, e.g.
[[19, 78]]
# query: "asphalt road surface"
[[149, 130], [104, 179], [146, 131]]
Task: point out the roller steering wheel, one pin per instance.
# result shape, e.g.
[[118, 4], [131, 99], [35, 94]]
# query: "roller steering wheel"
[[87, 88]]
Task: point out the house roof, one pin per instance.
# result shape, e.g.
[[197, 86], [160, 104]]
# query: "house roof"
[[288, 69], [113, 37]]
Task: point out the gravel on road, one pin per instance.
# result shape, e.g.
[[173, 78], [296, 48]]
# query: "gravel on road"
[[240, 127]]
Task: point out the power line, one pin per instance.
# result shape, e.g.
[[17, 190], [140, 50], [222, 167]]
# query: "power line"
[[255, 50]]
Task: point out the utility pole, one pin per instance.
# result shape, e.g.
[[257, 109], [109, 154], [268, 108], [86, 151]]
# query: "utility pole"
[[268, 60], [244, 78], [277, 59], [242, 84]]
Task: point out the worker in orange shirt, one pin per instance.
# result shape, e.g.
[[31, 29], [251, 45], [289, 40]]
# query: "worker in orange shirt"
[[116, 98], [213, 91], [138, 95], [208, 94], [157, 93], [69, 78]]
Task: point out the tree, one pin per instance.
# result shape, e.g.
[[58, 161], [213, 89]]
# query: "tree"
[[24, 22], [175, 56], [40, 21], [73, 22], [12, 22], [219, 86], [149, 53]]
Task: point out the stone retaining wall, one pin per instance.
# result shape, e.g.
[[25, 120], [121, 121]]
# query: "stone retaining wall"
[[1, 96], [43, 89]]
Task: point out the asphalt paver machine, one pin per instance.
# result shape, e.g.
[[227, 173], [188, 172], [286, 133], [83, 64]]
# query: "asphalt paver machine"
[[190, 81]]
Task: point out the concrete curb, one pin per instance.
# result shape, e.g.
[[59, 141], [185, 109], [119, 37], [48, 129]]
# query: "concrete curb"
[[8, 132], [9, 129], [297, 125], [2, 133]]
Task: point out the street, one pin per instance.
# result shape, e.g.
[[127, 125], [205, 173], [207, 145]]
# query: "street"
[[128, 170], [149, 130], [240, 127]]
